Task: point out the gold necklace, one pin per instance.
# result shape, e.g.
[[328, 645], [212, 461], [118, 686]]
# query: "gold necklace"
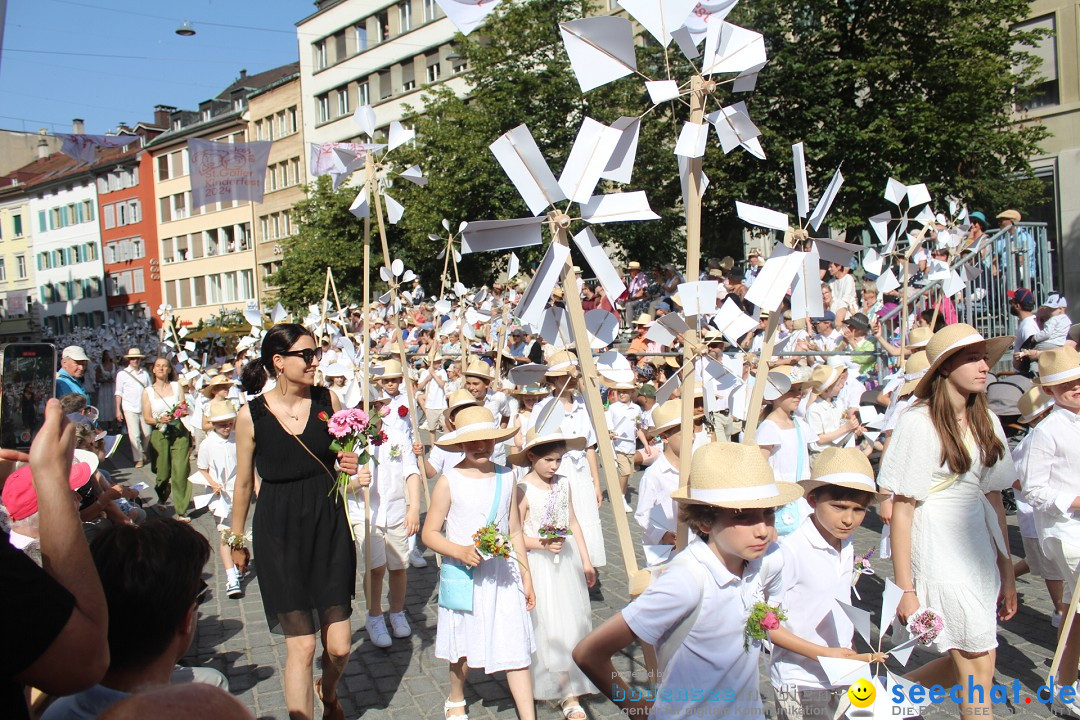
[[296, 418]]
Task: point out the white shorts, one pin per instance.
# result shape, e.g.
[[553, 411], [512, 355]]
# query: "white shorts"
[[1066, 557], [389, 546], [1038, 562]]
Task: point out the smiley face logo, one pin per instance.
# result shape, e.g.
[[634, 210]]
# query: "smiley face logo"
[[861, 694]]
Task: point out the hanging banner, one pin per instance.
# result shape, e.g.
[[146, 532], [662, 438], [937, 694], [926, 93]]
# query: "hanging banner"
[[84, 147], [222, 171]]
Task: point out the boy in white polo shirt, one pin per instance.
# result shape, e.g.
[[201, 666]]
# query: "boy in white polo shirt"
[[624, 419], [697, 610], [818, 565], [217, 464], [661, 478]]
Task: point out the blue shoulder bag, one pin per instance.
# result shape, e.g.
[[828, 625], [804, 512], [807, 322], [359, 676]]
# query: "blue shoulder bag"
[[455, 580]]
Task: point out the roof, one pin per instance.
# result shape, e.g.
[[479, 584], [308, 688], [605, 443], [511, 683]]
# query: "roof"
[[260, 80]]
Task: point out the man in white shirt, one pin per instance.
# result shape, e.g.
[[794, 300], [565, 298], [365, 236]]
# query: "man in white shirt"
[[433, 384], [130, 383]]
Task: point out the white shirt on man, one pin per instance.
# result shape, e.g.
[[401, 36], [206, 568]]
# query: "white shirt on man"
[[129, 386], [1051, 475]]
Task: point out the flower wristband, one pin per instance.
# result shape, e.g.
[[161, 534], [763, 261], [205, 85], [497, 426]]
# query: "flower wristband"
[[233, 540]]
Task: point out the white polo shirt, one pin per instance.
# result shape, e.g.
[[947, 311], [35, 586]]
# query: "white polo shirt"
[[1051, 475], [710, 669], [622, 419], [129, 386], [654, 489], [815, 577], [218, 457]]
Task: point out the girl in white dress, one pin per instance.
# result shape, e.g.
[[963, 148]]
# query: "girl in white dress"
[[578, 466], [946, 466], [562, 573], [522, 418], [783, 439], [496, 634]]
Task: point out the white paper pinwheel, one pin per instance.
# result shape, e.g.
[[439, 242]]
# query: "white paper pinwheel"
[[380, 169], [467, 15], [450, 254]]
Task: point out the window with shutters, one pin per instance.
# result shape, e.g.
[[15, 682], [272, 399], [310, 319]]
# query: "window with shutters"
[[109, 216], [1044, 85], [408, 77], [200, 288], [138, 283], [110, 253], [138, 248], [434, 69], [405, 15], [20, 267]]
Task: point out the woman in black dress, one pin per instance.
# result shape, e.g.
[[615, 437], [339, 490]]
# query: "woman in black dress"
[[307, 560]]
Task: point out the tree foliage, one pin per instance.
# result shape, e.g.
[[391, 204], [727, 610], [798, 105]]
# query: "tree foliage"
[[921, 90]]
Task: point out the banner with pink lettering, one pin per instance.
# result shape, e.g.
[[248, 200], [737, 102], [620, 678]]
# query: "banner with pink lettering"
[[84, 147], [222, 171]]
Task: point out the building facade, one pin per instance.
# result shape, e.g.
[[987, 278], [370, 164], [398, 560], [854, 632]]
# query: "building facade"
[[16, 271], [275, 115], [364, 52]]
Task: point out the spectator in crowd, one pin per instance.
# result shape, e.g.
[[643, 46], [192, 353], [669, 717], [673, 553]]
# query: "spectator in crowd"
[[130, 383], [1022, 246], [638, 344], [56, 627], [855, 331], [73, 362], [1022, 306], [179, 703], [842, 286], [588, 298], [105, 375], [1055, 323], [871, 299], [152, 577], [735, 285], [754, 263], [636, 286]]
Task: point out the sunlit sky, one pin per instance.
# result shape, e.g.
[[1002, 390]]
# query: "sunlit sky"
[[111, 61]]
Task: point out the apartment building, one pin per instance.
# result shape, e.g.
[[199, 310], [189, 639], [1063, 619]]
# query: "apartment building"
[[275, 114], [369, 52], [208, 262], [16, 270]]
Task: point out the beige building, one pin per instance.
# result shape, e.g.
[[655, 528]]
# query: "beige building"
[[274, 114], [17, 292], [19, 148], [208, 261], [1057, 107]]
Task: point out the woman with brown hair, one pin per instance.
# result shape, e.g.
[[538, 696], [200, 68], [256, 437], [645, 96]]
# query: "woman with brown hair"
[[946, 465]]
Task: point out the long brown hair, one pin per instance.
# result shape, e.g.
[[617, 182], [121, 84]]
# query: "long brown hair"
[[954, 452]]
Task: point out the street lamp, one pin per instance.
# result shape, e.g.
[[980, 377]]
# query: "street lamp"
[[185, 29]]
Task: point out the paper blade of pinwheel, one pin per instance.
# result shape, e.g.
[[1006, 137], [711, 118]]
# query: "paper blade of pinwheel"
[[589, 156], [971, 272], [734, 128], [826, 201], [512, 267], [364, 117], [467, 15], [253, 316], [536, 295], [802, 194], [844, 671], [699, 297], [732, 322], [746, 81], [472, 316], [685, 40], [938, 271], [415, 175], [618, 207], [859, 618], [684, 180], [528, 374], [692, 139], [707, 12], [360, 207], [384, 273], [460, 290], [394, 209], [895, 191], [660, 91], [661, 335], [550, 418], [443, 307], [925, 216], [732, 49], [409, 276], [872, 262], [775, 277], [905, 643], [953, 284], [806, 301], [397, 267], [891, 595], [620, 166], [602, 328], [601, 49], [762, 217], [600, 263], [521, 160], [613, 367], [917, 195], [278, 314], [660, 17], [837, 252], [485, 235], [201, 501], [398, 135], [665, 391], [656, 555]]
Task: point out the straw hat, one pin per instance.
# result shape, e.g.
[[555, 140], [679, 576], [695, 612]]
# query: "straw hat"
[[668, 416], [918, 337], [633, 265], [1057, 366], [914, 370], [949, 340], [134, 353], [221, 410], [389, 370], [1013, 215], [521, 459], [711, 336], [227, 368], [1033, 403], [736, 476], [622, 385], [473, 424], [480, 369], [824, 376], [459, 398], [216, 382], [643, 319], [560, 364], [843, 467]]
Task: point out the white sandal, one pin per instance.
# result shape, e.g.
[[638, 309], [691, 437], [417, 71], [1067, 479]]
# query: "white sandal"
[[572, 709], [450, 704]]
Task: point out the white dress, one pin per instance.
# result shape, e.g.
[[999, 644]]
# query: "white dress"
[[497, 635], [562, 617], [575, 467], [955, 535]]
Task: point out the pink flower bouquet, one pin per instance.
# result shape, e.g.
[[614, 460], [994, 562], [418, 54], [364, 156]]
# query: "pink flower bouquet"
[[353, 431], [925, 625]]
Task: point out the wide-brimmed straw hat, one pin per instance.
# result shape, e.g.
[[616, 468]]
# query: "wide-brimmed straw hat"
[[642, 319], [460, 398], [480, 369], [134, 353], [1033, 403], [736, 476], [951, 339], [823, 376], [473, 424], [1057, 366], [389, 370], [216, 382], [668, 416], [221, 410], [560, 364], [533, 440], [918, 337], [843, 467], [621, 385], [914, 370]]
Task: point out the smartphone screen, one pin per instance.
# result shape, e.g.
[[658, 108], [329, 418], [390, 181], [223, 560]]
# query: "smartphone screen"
[[27, 381]]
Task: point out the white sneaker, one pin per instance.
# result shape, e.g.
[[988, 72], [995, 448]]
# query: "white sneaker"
[[376, 629], [416, 559], [399, 624], [626, 506], [1058, 707], [1055, 619], [233, 589]]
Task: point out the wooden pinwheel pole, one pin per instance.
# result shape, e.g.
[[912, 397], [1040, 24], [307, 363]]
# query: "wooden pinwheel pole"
[[502, 339], [376, 201], [365, 338], [915, 245], [559, 222]]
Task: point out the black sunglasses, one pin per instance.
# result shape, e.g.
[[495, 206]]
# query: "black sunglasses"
[[204, 592], [309, 355]]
